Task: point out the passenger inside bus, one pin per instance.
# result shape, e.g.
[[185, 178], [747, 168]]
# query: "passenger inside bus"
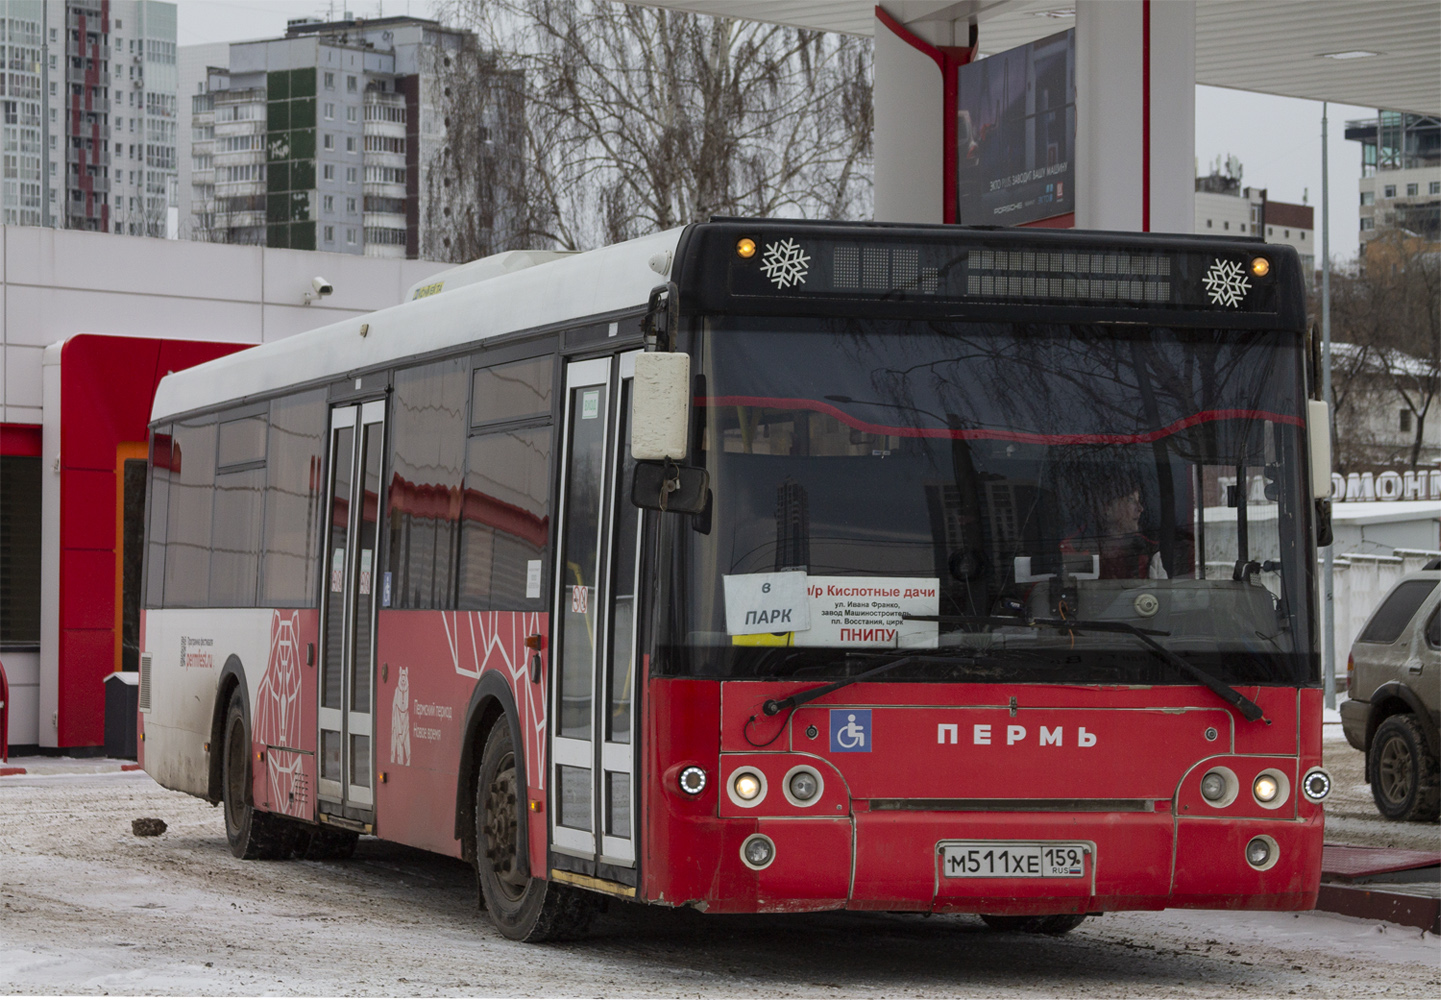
[[1113, 531]]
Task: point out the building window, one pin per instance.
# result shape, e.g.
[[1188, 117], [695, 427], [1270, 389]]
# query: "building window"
[[350, 84], [1435, 188], [350, 113], [350, 205], [329, 141], [1208, 223], [1243, 227], [329, 232], [1270, 230], [1226, 224], [1412, 190], [329, 81], [328, 171], [350, 144], [329, 201], [1389, 191], [1288, 234], [350, 236], [1405, 421], [1301, 236], [1368, 197], [350, 175], [1368, 224], [329, 112]]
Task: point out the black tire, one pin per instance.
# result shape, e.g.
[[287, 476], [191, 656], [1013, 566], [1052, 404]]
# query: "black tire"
[[1051, 923], [522, 908], [1403, 772], [253, 835]]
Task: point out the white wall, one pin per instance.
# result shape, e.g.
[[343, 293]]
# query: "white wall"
[[55, 283]]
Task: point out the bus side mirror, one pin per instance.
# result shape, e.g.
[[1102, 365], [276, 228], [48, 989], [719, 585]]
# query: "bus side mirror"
[[665, 486], [1324, 535], [1318, 435], [660, 406]]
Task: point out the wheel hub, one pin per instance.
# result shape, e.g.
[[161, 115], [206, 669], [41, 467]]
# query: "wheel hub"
[[501, 831], [1394, 770]]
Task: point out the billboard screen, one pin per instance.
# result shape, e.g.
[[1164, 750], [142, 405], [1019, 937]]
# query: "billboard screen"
[[1016, 134]]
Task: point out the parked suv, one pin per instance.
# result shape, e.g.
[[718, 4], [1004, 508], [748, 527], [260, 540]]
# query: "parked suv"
[[1394, 679]]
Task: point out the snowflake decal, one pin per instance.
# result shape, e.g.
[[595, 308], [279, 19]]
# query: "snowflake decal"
[[1226, 282], [785, 264]]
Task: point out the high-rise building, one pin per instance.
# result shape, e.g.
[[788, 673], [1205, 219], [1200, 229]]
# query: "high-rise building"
[[1400, 182], [1224, 207], [335, 138], [87, 100]]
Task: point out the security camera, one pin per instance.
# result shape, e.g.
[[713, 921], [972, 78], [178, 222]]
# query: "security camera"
[[321, 286]]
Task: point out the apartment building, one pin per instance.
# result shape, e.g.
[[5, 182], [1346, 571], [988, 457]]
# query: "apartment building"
[[87, 109], [1224, 207], [334, 138]]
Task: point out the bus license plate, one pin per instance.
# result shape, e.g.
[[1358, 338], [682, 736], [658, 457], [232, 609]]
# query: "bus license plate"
[[1013, 859]]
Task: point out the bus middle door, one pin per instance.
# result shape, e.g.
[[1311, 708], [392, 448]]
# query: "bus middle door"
[[345, 786]]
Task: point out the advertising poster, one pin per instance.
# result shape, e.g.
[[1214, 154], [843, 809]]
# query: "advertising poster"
[[1016, 134]]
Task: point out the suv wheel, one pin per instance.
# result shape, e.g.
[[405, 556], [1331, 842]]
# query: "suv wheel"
[[1403, 771]]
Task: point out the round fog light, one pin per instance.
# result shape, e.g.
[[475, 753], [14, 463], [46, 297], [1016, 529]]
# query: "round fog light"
[[1316, 785], [747, 786], [804, 785], [692, 780], [1266, 788], [758, 851], [1213, 787], [1261, 852]]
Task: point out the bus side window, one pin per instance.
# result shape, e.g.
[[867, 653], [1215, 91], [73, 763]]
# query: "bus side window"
[[158, 499], [428, 421], [192, 495], [505, 513], [294, 495], [239, 503]]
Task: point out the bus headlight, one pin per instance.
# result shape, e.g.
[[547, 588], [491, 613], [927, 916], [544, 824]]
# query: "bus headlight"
[[803, 785], [1270, 789], [747, 787], [758, 851], [1219, 787]]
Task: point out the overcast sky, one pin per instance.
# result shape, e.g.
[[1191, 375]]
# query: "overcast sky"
[[1277, 139]]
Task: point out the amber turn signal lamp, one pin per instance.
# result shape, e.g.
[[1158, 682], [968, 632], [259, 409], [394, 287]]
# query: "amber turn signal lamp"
[[1260, 266], [746, 247]]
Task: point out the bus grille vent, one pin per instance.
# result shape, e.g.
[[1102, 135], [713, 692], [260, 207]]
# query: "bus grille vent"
[[145, 659]]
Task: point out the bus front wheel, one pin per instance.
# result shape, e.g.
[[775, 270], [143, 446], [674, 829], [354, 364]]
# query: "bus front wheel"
[[523, 908], [252, 834]]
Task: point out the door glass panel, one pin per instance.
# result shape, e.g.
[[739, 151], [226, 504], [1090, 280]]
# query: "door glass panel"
[[575, 797], [365, 547], [622, 632], [617, 798], [330, 755], [579, 614], [341, 459], [360, 761]]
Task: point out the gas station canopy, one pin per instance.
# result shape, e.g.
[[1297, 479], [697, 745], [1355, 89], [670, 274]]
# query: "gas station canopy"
[[1379, 55]]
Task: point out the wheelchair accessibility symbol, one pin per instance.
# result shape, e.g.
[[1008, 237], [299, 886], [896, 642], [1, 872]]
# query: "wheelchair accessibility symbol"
[[850, 730]]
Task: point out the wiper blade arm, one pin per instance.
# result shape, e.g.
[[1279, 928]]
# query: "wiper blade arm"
[[774, 706], [1248, 708]]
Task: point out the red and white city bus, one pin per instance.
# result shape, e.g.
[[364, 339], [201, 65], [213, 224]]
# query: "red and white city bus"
[[766, 566]]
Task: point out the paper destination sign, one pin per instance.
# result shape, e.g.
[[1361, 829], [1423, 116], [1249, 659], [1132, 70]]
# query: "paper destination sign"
[[833, 610], [766, 602]]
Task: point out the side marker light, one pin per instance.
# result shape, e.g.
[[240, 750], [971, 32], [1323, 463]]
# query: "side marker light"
[[1316, 785], [1260, 266], [746, 248], [692, 780]]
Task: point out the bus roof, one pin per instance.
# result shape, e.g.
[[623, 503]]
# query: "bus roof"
[[600, 282]]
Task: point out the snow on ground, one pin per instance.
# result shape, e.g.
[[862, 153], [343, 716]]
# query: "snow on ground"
[[85, 907]]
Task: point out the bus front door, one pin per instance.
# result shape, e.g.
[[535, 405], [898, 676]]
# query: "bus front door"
[[346, 788], [593, 788]]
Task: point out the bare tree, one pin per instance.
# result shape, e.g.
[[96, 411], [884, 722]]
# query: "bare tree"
[[1386, 314], [638, 119]]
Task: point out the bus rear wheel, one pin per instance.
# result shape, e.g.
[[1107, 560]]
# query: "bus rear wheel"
[[1051, 923], [522, 908], [253, 835]]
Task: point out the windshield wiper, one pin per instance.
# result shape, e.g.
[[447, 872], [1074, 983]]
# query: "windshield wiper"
[[1248, 708], [773, 706]]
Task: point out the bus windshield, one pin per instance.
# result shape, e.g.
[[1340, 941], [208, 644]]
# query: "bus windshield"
[[936, 485]]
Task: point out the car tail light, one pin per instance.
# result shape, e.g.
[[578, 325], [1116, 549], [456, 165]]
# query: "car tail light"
[[1350, 671]]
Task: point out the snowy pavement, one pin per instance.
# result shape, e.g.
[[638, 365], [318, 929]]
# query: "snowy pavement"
[[85, 907]]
